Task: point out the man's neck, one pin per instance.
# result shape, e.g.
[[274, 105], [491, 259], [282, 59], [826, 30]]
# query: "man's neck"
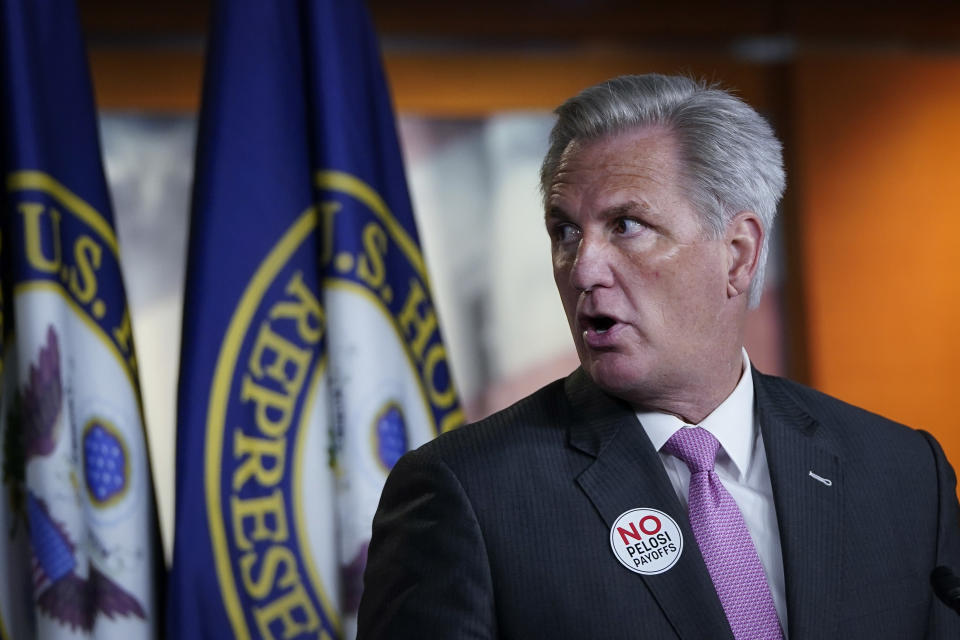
[[693, 405]]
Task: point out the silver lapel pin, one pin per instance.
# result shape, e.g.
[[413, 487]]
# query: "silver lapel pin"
[[826, 481]]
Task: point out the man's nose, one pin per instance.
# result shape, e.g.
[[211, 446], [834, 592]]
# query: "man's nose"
[[592, 266]]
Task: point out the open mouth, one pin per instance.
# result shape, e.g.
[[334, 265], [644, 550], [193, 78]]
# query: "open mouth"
[[600, 324]]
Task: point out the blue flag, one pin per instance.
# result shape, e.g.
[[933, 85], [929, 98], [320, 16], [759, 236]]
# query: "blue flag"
[[78, 532], [312, 357]]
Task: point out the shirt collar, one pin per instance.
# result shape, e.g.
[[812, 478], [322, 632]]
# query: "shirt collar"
[[732, 423]]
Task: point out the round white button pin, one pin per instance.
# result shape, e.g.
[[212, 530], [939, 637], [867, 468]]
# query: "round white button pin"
[[646, 541]]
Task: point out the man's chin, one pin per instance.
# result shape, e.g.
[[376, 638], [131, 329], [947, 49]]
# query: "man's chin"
[[616, 377]]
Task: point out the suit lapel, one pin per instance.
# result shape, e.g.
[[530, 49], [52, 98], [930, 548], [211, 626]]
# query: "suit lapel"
[[627, 473], [809, 512]]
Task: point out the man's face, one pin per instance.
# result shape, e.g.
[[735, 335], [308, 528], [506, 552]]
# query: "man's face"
[[643, 284]]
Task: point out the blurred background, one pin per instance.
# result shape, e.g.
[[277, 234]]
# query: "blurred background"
[[863, 296]]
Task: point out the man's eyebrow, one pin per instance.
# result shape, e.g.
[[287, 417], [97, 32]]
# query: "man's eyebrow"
[[628, 208], [555, 213], [631, 207]]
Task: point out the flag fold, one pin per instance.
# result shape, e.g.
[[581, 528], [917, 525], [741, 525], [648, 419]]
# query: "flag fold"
[[311, 351], [79, 541]]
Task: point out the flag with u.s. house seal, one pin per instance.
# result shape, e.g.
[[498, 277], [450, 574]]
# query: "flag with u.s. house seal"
[[312, 357], [78, 533]]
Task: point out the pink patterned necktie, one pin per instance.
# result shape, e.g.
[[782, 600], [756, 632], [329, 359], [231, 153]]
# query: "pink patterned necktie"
[[724, 540]]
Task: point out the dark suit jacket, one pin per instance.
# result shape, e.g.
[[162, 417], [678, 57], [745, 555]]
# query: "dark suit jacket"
[[502, 529]]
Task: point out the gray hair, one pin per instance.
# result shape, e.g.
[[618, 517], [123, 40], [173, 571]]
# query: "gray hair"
[[731, 161]]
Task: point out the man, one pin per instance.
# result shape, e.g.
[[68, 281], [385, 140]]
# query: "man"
[[665, 489]]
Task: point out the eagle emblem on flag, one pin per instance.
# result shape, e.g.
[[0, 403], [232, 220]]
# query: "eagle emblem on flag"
[[61, 589]]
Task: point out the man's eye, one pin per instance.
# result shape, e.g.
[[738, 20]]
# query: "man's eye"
[[563, 232], [628, 226]]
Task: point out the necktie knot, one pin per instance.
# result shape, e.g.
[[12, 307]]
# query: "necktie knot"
[[696, 446]]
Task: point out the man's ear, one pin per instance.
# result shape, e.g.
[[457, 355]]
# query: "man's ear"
[[744, 238]]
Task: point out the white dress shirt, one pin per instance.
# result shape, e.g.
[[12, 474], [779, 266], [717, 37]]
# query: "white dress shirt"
[[741, 465]]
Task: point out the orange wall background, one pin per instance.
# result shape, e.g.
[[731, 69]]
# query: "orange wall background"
[[877, 186]]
